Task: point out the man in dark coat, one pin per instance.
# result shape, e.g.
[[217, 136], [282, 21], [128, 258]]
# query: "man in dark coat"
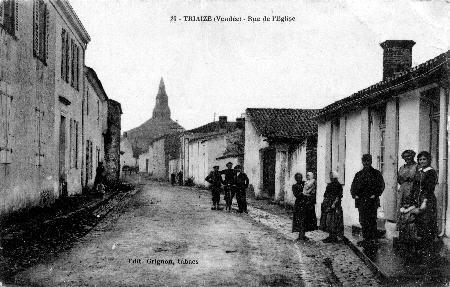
[[99, 177], [229, 184], [215, 179], [241, 182], [180, 177], [367, 186]]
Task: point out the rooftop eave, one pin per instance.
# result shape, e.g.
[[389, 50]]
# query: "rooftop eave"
[[68, 11]]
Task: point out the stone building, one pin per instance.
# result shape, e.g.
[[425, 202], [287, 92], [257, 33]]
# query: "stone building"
[[158, 160], [42, 94], [94, 122], [127, 160], [278, 144], [42, 46], [112, 142], [408, 109], [204, 147]]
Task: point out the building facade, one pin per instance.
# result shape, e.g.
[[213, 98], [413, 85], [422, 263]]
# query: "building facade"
[[407, 110], [42, 93], [278, 144], [204, 147], [94, 122]]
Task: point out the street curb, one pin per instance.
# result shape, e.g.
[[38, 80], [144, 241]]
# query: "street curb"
[[383, 277]]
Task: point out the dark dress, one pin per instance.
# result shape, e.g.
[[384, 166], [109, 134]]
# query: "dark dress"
[[304, 219], [423, 188], [331, 219]]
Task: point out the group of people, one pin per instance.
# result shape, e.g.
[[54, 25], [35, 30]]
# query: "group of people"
[[417, 216], [234, 182]]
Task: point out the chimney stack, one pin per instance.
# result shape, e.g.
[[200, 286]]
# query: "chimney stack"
[[222, 122], [397, 57]]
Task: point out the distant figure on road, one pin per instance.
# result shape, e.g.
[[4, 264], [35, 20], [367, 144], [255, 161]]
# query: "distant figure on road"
[[241, 182], [173, 178], [99, 178], [180, 177], [367, 186], [215, 179], [229, 184]]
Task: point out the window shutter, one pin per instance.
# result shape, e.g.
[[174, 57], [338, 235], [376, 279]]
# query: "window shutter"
[[35, 28], [47, 18], [67, 58], [41, 30], [16, 16], [1, 12], [63, 56], [8, 129]]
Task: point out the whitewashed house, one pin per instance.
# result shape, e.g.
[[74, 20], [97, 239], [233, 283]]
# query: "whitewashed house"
[[207, 146], [278, 144], [408, 109]]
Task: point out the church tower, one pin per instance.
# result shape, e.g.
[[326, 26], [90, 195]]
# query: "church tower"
[[161, 110]]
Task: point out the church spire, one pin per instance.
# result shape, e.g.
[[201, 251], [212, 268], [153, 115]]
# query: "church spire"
[[161, 110]]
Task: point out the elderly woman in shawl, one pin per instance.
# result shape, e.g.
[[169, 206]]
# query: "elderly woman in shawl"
[[304, 219], [331, 219], [405, 178]]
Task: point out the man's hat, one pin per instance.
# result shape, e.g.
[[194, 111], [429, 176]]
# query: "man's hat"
[[237, 167], [216, 166], [229, 163]]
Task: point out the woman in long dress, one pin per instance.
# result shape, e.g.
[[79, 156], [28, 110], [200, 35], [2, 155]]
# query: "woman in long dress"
[[331, 219], [405, 177], [424, 199], [304, 218]]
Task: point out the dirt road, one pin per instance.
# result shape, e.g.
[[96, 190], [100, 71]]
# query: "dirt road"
[[169, 236]]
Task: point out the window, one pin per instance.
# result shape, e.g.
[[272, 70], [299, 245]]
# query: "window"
[[38, 136], [76, 143], [87, 101], [72, 62], [98, 112], [71, 143], [65, 56], [382, 149], [9, 12], [40, 30], [338, 147], [5, 128]]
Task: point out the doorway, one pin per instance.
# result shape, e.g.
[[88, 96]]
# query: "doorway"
[[268, 176], [62, 157]]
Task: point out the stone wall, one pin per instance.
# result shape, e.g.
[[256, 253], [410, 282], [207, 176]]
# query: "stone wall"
[[112, 142]]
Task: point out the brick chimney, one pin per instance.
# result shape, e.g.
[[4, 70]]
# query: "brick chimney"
[[222, 122], [397, 57]]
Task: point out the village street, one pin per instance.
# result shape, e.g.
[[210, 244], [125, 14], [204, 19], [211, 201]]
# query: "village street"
[[195, 246]]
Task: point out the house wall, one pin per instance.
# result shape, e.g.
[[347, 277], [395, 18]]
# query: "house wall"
[[254, 143], [158, 161], [296, 162], [413, 133], [95, 122], [126, 157], [30, 157], [112, 142]]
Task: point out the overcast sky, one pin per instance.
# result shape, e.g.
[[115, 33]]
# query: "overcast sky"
[[330, 51]]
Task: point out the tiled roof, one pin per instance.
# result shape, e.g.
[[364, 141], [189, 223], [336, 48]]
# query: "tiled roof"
[[212, 127], [382, 89], [284, 123]]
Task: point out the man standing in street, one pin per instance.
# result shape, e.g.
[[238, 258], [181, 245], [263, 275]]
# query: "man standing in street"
[[241, 182], [229, 184], [215, 179], [367, 186]]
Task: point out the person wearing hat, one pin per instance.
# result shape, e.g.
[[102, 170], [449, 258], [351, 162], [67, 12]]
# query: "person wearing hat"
[[229, 184], [241, 182], [367, 186], [215, 179], [405, 178]]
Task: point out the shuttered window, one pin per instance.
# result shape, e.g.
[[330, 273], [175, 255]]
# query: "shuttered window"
[[9, 12], [5, 128], [63, 54], [40, 30]]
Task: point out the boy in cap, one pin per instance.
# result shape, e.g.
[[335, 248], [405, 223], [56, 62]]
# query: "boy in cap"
[[241, 182], [215, 179], [229, 184]]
